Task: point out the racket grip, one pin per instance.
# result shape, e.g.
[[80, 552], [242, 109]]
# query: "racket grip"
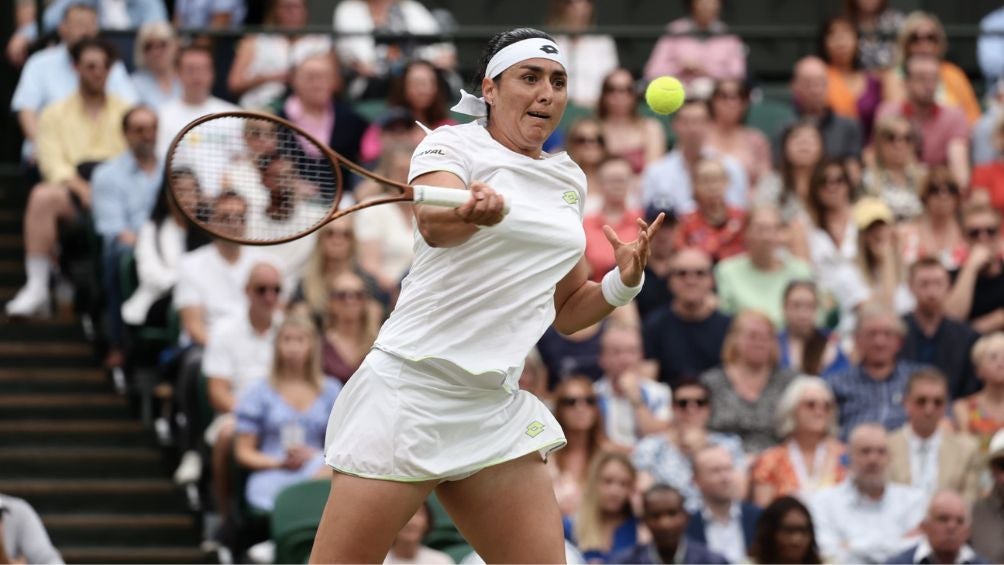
[[445, 197]]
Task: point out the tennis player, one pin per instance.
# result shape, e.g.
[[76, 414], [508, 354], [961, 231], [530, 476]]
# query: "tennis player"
[[436, 403]]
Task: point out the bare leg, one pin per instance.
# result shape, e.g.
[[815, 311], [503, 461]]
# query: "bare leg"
[[508, 512], [221, 468], [362, 517], [47, 204]]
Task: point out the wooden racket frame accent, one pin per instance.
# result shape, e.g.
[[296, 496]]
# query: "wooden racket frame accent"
[[334, 158]]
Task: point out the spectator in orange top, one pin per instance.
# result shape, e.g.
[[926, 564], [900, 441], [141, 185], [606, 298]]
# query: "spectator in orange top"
[[989, 177], [616, 180], [851, 91], [714, 226]]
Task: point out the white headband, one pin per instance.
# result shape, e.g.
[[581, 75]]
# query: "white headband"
[[533, 48]]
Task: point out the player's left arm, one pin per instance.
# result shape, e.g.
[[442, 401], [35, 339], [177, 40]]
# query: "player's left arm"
[[579, 302]]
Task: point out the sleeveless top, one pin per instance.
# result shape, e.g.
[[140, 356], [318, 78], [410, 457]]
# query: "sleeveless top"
[[277, 53], [981, 425]]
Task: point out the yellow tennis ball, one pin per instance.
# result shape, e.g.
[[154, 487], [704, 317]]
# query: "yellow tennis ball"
[[665, 95]]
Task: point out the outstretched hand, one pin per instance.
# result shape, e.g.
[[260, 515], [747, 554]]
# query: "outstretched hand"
[[633, 256]]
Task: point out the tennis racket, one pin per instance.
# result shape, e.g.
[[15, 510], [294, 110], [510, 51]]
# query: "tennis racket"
[[290, 182]]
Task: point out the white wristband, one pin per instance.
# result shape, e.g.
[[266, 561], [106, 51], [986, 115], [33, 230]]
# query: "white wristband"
[[615, 292]]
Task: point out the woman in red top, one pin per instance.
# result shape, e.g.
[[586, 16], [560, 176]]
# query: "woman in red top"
[[714, 227], [616, 180], [990, 177]]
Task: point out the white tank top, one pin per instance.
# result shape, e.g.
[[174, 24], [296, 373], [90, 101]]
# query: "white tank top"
[[275, 53], [482, 305]]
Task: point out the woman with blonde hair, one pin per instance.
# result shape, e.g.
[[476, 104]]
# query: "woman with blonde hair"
[[605, 523], [281, 421], [155, 78], [576, 410], [982, 414], [351, 322], [747, 387], [896, 175], [810, 457]]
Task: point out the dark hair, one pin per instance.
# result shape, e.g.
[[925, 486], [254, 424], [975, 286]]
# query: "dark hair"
[[939, 176], [817, 181], [785, 168], [689, 102], [744, 92], [162, 209], [815, 346], [132, 111], [827, 28], [434, 114], [657, 489], [193, 48], [557, 10], [854, 14], [764, 546], [77, 50], [498, 42], [928, 262], [601, 106], [78, 6], [925, 374], [692, 381]]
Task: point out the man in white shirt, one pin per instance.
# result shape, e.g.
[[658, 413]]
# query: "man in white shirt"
[[866, 519], [667, 182], [632, 405], [725, 524], [946, 529], [924, 453]]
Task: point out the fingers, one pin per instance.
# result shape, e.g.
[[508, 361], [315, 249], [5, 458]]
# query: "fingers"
[[612, 237], [485, 206]]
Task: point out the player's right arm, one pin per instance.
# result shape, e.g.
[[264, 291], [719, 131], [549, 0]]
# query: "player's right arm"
[[450, 227]]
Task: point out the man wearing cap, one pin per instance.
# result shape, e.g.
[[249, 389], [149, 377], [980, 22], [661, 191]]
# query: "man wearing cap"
[[978, 291], [988, 512]]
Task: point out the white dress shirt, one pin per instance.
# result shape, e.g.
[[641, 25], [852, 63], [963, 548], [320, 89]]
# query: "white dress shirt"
[[925, 551], [726, 538], [924, 460], [619, 414]]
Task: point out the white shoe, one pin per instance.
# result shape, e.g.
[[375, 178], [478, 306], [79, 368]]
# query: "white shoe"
[[29, 302], [262, 553], [190, 469]]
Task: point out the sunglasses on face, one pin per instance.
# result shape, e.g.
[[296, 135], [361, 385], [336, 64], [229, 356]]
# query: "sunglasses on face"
[[824, 405], [619, 88], [976, 233], [582, 140], [684, 273], [570, 401], [835, 180], [922, 37], [943, 189], [893, 137], [347, 294], [151, 45], [936, 401], [263, 289], [684, 403]]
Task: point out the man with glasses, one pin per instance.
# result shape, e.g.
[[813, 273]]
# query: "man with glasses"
[[988, 512], [924, 453], [686, 337], [978, 292]]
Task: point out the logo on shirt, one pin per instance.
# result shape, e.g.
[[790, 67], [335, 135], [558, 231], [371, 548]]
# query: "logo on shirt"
[[571, 197], [432, 152], [534, 429]]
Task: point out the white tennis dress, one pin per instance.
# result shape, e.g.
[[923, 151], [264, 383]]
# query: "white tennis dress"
[[438, 396]]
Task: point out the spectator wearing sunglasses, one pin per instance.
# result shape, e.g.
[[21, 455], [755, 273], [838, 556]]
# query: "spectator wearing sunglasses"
[[982, 414], [576, 411], [729, 106], [988, 512], [927, 455], [351, 321], [989, 177], [937, 232], [896, 176], [978, 291]]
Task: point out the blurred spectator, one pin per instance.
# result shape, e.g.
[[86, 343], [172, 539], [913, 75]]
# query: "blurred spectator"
[[931, 337], [926, 454], [667, 458], [989, 177], [385, 234], [667, 182], [632, 406], [51, 75], [655, 293], [990, 47], [757, 279], [923, 35], [984, 138], [842, 137], [666, 519], [586, 146], [351, 322], [281, 420], [729, 104], [873, 389], [574, 354], [946, 528], [988, 512], [617, 211], [605, 524], [209, 13], [590, 56], [421, 91], [73, 136], [852, 92], [937, 232], [314, 105], [23, 538], [195, 71], [982, 414], [805, 347], [373, 63], [161, 241], [714, 226], [124, 191], [866, 519], [262, 62], [801, 147], [896, 176], [725, 523], [576, 411], [626, 133], [978, 290], [155, 78], [237, 357], [408, 547], [943, 130], [877, 23], [747, 387], [686, 336], [878, 255], [698, 50], [810, 458], [785, 534]]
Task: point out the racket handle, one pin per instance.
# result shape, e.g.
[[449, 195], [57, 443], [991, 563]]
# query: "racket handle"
[[445, 197]]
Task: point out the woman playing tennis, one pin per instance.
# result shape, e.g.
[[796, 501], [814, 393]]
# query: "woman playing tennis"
[[435, 405]]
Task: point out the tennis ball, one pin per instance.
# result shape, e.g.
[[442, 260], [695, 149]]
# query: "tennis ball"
[[665, 95]]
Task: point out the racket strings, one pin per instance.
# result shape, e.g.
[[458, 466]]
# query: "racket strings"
[[252, 179]]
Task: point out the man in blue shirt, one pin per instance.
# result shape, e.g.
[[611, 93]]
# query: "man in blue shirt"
[[872, 390], [124, 191], [990, 46]]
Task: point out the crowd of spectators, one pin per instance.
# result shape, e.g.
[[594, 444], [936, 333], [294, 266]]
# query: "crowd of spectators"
[[813, 372]]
